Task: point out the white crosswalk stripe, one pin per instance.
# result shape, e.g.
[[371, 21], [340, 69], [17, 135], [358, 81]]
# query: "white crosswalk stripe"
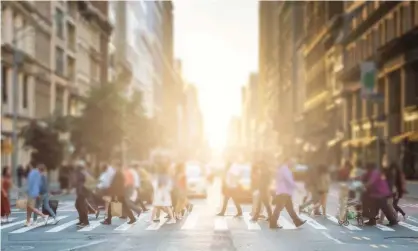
[[28, 228], [220, 224], [62, 227], [254, 226], [196, 220]]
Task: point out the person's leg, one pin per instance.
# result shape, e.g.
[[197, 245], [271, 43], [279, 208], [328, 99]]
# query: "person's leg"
[[224, 205], [256, 207], [30, 204], [45, 204], [237, 206], [266, 202], [276, 213], [397, 207], [84, 217], [383, 205], [38, 203], [288, 203], [126, 208]]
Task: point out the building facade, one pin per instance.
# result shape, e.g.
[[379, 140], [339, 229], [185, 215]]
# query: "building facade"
[[383, 33], [49, 46]]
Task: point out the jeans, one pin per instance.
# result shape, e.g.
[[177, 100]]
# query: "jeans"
[[44, 202]]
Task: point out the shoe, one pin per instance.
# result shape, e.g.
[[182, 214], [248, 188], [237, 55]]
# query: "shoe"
[[405, 217], [105, 222], [78, 224], [27, 224], [45, 219], [220, 214], [55, 222], [370, 223], [83, 224], [156, 220], [131, 221], [275, 226], [97, 214], [300, 223], [171, 221]]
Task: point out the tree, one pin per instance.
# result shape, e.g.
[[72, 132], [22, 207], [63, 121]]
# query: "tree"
[[43, 137], [99, 130]]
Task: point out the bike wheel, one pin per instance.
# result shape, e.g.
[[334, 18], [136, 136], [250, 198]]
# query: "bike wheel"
[[346, 223], [360, 221]]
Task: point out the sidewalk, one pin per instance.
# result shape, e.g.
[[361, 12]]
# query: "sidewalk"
[[412, 188]]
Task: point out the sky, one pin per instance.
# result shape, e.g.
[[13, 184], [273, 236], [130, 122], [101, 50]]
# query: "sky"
[[217, 41]]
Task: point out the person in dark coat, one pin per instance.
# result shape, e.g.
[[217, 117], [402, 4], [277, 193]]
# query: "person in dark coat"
[[82, 193], [117, 192]]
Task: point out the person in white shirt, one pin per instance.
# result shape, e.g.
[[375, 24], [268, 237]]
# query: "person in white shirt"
[[229, 188]]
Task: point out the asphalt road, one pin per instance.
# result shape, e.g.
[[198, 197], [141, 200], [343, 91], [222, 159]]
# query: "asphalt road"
[[203, 231]]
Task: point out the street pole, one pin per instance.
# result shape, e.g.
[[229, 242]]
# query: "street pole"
[[15, 140]]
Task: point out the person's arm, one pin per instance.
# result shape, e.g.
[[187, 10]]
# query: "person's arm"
[[288, 177]]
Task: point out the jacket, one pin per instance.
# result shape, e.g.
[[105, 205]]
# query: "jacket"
[[117, 186]]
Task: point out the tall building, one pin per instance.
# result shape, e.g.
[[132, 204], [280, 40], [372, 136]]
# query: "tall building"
[[384, 33], [249, 114], [321, 118], [56, 62]]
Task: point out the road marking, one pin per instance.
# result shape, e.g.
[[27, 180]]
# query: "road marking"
[[384, 228], [351, 227], [285, 223], [412, 227], [313, 223], [384, 246], [220, 224], [62, 227], [84, 246], [326, 234], [12, 224], [366, 238], [251, 225], [156, 225], [125, 226], [191, 221], [25, 229], [93, 225], [374, 246], [357, 238], [410, 218]]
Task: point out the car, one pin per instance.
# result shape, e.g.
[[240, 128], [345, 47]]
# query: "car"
[[196, 180]]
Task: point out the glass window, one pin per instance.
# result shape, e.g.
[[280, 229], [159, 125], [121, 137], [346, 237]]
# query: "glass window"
[[4, 89], [59, 61], [406, 18], [59, 20], [25, 92]]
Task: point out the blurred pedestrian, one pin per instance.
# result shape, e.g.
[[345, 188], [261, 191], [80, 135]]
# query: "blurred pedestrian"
[[6, 184], [285, 186], [264, 192], [34, 183], [229, 188], [43, 201]]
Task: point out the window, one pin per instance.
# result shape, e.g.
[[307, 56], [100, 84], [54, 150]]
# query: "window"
[[406, 18], [396, 23], [59, 19], [382, 34], [59, 61], [4, 89], [376, 39], [25, 92]]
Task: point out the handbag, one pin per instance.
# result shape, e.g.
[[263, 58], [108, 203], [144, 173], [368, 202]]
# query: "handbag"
[[116, 209], [22, 203]]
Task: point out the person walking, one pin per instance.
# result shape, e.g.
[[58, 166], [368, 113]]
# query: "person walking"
[[378, 192], [162, 196], [285, 186], [264, 192], [229, 188], [117, 192], [400, 188], [34, 182], [44, 195], [6, 184], [82, 194]]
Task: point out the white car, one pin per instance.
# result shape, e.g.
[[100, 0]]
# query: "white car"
[[196, 180]]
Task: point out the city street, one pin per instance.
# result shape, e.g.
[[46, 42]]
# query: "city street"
[[202, 230]]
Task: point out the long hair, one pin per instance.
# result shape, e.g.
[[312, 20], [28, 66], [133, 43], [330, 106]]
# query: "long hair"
[[4, 172]]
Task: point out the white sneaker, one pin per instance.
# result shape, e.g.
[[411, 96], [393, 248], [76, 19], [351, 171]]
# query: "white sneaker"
[[172, 221], [55, 221]]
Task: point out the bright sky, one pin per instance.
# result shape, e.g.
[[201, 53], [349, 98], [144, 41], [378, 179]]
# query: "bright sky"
[[217, 41]]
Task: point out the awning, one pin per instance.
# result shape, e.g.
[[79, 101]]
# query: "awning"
[[397, 139]]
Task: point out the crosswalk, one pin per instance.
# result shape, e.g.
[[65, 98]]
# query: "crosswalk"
[[197, 220]]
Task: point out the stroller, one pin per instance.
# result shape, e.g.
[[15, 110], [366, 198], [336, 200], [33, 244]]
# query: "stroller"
[[350, 205]]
